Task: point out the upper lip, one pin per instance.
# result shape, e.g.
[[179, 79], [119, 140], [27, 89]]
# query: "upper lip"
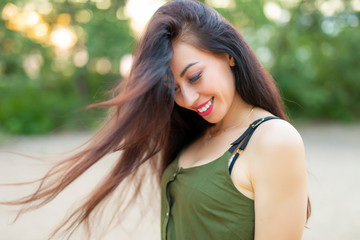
[[202, 105]]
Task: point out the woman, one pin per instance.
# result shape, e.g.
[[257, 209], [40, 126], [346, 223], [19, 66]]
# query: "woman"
[[195, 87]]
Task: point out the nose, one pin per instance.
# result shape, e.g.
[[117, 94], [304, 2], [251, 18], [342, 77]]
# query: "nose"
[[189, 95]]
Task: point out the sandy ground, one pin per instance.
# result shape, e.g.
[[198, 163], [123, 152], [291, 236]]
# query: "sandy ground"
[[334, 175]]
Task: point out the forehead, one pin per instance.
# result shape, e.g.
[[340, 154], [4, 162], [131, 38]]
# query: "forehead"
[[185, 54]]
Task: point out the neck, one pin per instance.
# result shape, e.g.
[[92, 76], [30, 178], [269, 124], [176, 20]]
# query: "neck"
[[237, 116]]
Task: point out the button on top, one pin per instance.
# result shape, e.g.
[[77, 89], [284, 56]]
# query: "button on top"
[[167, 214]]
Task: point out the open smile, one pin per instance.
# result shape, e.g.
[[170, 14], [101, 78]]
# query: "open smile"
[[205, 108]]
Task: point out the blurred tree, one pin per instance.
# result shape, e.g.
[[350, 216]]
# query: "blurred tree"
[[48, 75], [315, 60], [58, 56], [311, 48]]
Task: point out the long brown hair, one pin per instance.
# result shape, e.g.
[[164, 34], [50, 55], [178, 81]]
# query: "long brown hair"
[[144, 123]]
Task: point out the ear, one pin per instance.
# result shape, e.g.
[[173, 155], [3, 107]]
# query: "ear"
[[231, 60]]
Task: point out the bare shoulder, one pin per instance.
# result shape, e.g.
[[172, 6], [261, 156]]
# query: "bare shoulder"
[[275, 135], [278, 177], [277, 147]]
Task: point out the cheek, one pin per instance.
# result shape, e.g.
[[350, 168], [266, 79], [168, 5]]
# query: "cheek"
[[229, 80], [222, 84], [225, 87]]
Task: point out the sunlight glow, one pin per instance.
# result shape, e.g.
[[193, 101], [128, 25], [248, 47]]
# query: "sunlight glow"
[[41, 30], [221, 3], [330, 7], [17, 23], [9, 11], [26, 20], [355, 4], [140, 12], [275, 13], [125, 65], [63, 38], [63, 19], [32, 18]]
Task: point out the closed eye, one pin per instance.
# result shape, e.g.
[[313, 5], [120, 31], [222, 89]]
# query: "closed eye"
[[191, 80], [196, 77]]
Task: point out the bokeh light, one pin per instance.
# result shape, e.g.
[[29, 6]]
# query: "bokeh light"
[[221, 3], [9, 11], [355, 4], [81, 58], [265, 55], [41, 30], [32, 18], [63, 19], [80, 39], [103, 4], [103, 66], [125, 65], [275, 13], [44, 7], [77, 1], [140, 12], [32, 64], [330, 7], [63, 38], [27, 20], [83, 16]]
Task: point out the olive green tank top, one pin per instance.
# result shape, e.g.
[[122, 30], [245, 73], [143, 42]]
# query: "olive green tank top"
[[202, 202]]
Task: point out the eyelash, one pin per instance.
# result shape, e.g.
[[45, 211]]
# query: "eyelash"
[[191, 80]]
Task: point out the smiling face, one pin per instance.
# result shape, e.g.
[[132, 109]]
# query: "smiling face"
[[204, 82]]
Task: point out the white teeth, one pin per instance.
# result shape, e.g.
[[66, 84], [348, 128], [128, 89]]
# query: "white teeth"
[[203, 109]]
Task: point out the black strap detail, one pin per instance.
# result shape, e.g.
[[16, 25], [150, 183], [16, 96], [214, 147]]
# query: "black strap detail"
[[244, 140], [233, 160]]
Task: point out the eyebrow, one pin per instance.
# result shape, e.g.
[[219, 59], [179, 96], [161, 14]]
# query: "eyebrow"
[[186, 68]]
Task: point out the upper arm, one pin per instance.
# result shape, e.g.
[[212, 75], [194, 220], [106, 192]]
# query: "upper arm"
[[279, 181]]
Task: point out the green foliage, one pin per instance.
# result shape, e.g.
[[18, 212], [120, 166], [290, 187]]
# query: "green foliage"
[[316, 64], [313, 58], [55, 96]]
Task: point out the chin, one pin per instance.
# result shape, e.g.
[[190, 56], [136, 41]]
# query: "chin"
[[213, 119]]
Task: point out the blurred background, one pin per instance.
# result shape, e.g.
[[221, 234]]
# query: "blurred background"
[[58, 56]]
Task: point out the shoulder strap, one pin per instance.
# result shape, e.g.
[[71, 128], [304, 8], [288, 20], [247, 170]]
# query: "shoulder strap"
[[243, 140]]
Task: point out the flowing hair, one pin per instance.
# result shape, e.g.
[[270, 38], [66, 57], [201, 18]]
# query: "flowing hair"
[[144, 123]]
